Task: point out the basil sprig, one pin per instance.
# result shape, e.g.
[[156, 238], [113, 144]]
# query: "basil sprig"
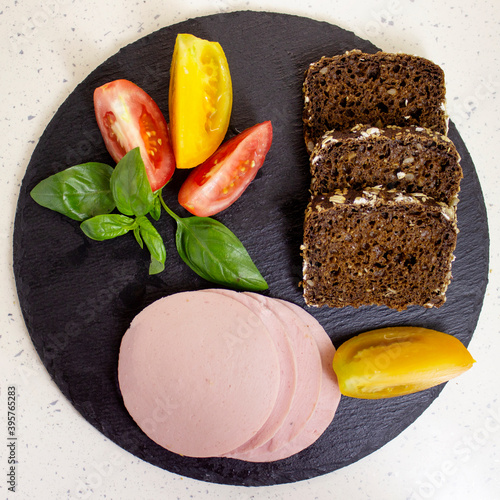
[[90, 192]]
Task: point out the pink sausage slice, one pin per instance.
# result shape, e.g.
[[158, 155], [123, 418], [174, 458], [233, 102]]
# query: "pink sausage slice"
[[288, 369], [199, 373], [329, 397], [309, 378]]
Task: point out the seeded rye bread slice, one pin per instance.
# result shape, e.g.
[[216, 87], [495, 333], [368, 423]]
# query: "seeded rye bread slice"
[[377, 247], [411, 159], [374, 89]]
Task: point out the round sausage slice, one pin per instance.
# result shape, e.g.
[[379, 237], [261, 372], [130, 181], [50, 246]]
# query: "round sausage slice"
[[199, 373], [309, 378], [287, 363], [329, 396]]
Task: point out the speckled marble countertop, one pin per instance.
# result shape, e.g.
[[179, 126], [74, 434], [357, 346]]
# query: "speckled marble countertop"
[[450, 452]]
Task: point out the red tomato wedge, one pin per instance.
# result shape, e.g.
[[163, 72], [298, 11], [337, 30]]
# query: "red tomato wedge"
[[221, 179], [129, 118]]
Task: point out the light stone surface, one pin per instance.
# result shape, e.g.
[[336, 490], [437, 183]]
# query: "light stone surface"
[[450, 452]]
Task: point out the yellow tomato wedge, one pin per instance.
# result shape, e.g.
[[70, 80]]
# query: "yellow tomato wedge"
[[200, 99], [395, 361]]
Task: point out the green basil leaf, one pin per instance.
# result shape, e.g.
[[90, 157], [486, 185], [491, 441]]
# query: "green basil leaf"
[[137, 234], [106, 227], [155, 245], [130, 186], [79, 192], [156, 266], [213, 252], [156, 210]]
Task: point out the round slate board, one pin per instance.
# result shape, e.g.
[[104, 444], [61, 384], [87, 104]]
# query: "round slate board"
[[79, 296]]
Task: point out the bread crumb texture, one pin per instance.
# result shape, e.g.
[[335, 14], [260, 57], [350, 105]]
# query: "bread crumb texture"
[[377, 89], [379, 247], [411, 159]]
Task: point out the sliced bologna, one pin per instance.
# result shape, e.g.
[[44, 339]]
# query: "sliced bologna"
[[309, 379], [330, 392], [199, 373], [288, 367], [329, 396]]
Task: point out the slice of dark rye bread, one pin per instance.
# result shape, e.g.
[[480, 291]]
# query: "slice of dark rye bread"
[[377, 247], [411, 159], [374, 89]]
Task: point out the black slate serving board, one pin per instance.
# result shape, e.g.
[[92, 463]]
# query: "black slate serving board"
[[79, 296]]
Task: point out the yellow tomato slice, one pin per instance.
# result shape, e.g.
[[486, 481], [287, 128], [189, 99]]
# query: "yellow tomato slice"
[[395, 361], [200, 99]]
